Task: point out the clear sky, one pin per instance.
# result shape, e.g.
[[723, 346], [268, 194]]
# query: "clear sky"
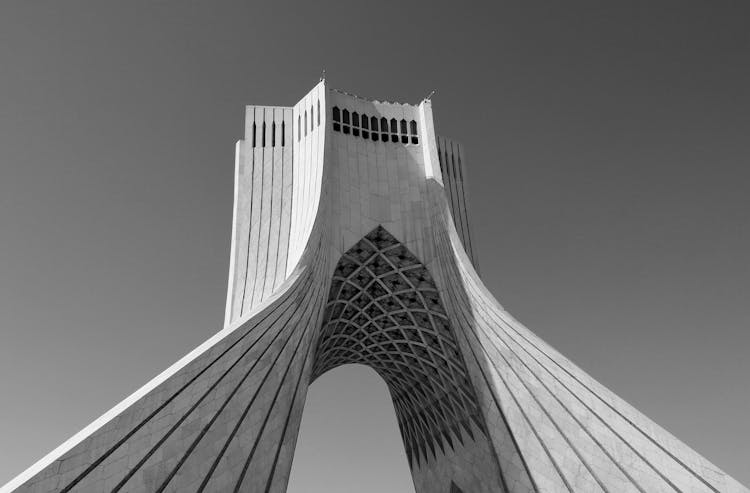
[[608, 154]]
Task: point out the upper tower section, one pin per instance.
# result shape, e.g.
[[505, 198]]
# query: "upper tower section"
[[277, 183], [371, 138], [341, 161]]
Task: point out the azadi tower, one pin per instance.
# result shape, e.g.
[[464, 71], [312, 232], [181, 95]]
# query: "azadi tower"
[[351, 243]]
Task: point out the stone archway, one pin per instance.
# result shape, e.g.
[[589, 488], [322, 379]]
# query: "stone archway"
[[384, 311], [483, 403]]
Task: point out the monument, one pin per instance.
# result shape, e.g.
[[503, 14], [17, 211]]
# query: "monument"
[[352, 243]]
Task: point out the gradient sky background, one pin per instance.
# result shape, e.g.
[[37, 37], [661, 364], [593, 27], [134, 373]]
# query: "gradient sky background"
[[608, 149]]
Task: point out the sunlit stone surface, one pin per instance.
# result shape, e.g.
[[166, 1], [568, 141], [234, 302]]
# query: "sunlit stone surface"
[[352, 244]]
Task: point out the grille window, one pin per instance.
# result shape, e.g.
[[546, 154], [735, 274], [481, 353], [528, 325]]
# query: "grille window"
[[346, 122], [336, 119], [355, 124], [371, 127]]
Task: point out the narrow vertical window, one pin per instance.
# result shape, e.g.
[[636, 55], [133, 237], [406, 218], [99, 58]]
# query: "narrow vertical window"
[[283, 134], [440, 160], [365, 127], [384, 129], [318, 112], [336, 119], [404, 132], [305, 122], [355, 124], [273, 134], [299, 128], [374, 128], [263, 137], [414, 137], [394, 130], [312, 118], [346, 122], [254, 132]]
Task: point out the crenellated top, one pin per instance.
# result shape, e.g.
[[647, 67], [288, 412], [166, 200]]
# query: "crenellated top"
[[369, 100]]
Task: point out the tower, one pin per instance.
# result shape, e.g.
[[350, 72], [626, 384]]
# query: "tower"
[[351, 243]]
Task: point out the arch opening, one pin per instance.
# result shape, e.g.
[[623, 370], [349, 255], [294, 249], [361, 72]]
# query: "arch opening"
[[384, 311], [348, 438]]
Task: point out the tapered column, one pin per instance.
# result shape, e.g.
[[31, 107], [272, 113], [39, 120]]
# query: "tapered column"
[[225, 418], [553, 427]]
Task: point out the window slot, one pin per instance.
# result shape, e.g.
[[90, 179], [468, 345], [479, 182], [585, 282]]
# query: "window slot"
[[336, 119], [355, 124], [365, 126], [346, 122]]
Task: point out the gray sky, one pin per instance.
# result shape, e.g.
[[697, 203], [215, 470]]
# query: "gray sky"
[[609, 169]]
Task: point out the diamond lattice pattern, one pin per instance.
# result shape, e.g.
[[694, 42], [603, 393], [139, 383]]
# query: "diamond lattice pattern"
[[384, 311]]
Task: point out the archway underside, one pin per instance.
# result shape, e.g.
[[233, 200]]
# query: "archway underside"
[[384, 311]]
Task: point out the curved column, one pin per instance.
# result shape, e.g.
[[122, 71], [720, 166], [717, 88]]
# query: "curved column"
[[225, 418], [553, 426], [277, 191]]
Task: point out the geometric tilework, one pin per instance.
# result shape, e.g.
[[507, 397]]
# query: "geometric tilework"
[[384, 311]]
